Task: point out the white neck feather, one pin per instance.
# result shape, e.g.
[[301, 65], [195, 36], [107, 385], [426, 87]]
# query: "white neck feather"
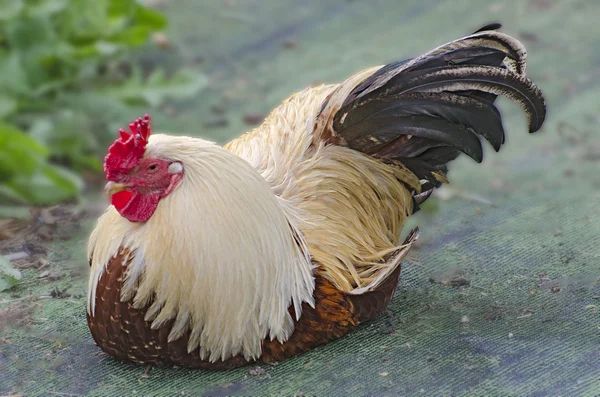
[[219, 255]]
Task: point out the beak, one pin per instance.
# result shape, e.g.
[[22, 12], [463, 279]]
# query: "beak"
[[113, 187]]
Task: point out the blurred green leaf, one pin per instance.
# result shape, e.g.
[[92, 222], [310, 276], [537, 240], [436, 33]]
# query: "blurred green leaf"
[[65, 135], [49, 184], [132, 37], [10, 9], [65, 79], [20, 153], [9, 276], [30, 32], [8, 105], [25, 176], [8, 194], [12, 76], [118, 8], [44, 8], [152, 19], [105, 116], [66, 182], [99, 48]]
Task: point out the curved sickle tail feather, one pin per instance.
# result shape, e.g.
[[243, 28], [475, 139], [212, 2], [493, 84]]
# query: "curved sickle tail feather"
[[423, 112]]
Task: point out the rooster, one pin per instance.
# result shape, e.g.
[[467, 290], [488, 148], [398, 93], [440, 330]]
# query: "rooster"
[[288, 237]]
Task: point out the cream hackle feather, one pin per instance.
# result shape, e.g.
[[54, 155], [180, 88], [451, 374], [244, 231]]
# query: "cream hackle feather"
[[349, 207], [218, 256]]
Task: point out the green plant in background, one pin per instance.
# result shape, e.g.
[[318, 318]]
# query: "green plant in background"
[[9, 276], [67, 80]]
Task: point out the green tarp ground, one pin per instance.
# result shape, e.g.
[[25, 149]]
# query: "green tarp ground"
[[500, 297]]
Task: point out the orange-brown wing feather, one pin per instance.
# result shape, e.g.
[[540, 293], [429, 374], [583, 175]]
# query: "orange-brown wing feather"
[[331, 318]]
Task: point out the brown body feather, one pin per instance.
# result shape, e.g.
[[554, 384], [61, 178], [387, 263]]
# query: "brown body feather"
[[121, 331]]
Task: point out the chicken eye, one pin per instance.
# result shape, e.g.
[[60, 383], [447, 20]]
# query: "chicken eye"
[[152, 167]]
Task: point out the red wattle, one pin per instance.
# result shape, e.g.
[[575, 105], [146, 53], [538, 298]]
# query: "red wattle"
[[121, 199], [135, 207]]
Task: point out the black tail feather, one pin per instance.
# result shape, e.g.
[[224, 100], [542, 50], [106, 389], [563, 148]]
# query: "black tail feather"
[[491, 26], [462, 110], [424, 112]]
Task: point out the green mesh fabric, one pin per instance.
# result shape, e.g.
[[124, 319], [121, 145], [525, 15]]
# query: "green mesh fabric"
[[500, 296]]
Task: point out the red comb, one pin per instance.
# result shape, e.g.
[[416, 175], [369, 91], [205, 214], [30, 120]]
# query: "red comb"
[[126, 152]]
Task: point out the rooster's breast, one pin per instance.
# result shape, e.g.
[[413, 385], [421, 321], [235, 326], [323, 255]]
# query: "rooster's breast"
[[121, 331]]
